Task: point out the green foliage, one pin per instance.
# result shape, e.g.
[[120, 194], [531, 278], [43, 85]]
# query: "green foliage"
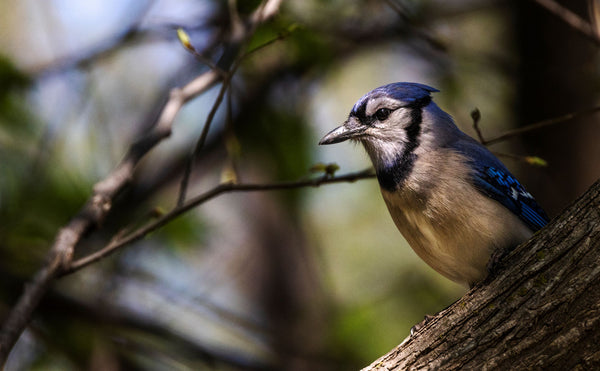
[[298, 46], [283, 142], [184, 233], [247, 6], [326, 169], [365, 320], [37, 195], [11, 78], [364, 332], [290, 58], [536, 161], [16, 122]]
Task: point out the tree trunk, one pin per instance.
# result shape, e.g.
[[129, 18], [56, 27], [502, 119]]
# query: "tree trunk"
[[541, 310]]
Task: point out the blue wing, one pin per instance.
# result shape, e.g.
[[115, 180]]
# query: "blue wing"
[[500, 185]]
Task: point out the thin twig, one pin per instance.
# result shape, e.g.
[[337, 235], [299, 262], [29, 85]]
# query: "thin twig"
[[279, 37], [237, 32], [540, 125], [201, 140], [227, 77], [593, 8], [231, 141], [399, 8], [573, 20], [200, 57], [140, 233], [529, 160], [476, 116]]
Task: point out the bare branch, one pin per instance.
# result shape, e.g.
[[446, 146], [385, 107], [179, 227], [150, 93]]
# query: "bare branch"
[[267, 10], [94, 212], [202, 139], [100, 203], [240, 36], [476, 116], [573, 20], [539, 125], [140, 233], [231, 142]]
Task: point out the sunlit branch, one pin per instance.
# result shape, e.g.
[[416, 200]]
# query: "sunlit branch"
[[120, 241], [100, 203]]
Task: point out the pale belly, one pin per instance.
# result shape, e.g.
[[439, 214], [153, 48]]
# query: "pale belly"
[[456, 237]]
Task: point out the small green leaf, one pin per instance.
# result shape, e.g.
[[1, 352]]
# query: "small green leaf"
[[318, 168], [233, 146], [327, 169], [184, 38], [157, 212], [229, 175], [293, 27], [536, 161]]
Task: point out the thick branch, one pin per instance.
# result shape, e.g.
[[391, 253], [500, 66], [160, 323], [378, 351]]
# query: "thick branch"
[[541, 310], [94, 212]]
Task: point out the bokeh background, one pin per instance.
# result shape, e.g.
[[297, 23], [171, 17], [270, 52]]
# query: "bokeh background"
[[305, 279]]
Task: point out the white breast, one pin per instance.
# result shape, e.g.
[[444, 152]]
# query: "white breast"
[[448, 223]]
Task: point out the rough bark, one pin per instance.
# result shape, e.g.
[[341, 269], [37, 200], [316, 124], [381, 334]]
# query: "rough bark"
[[540, 310]]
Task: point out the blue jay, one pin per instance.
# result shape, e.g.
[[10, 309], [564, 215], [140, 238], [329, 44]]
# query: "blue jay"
[[452, 200]]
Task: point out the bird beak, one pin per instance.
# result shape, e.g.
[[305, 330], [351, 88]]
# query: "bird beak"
[[352, 128]]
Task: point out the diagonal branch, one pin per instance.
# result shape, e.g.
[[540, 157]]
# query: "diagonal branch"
[[119, 241], [528, 128], [239, 36], [202, 139], [539, 310], [93, 213], [100, 203], [573, 20]]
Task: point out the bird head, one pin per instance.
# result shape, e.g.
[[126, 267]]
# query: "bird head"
[[386, 120]]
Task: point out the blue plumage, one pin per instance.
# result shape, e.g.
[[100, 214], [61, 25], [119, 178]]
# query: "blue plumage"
[[407, 92], [501, 186], [451, 198]]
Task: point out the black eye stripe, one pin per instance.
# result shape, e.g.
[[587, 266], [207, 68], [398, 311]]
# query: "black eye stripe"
[[390, 177], [359, 111]]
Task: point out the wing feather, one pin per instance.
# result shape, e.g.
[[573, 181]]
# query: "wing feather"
[[501, 186]]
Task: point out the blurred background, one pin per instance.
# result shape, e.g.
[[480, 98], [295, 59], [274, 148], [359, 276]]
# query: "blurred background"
[[304, 279]]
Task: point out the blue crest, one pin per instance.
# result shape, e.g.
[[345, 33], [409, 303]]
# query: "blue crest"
[[409, 92]]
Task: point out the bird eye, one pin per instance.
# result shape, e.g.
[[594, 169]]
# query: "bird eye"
[[382, 114]]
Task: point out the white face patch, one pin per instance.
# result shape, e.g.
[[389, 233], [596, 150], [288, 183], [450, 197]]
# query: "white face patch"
[[386, 140], [381, 102], [384, 152]]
